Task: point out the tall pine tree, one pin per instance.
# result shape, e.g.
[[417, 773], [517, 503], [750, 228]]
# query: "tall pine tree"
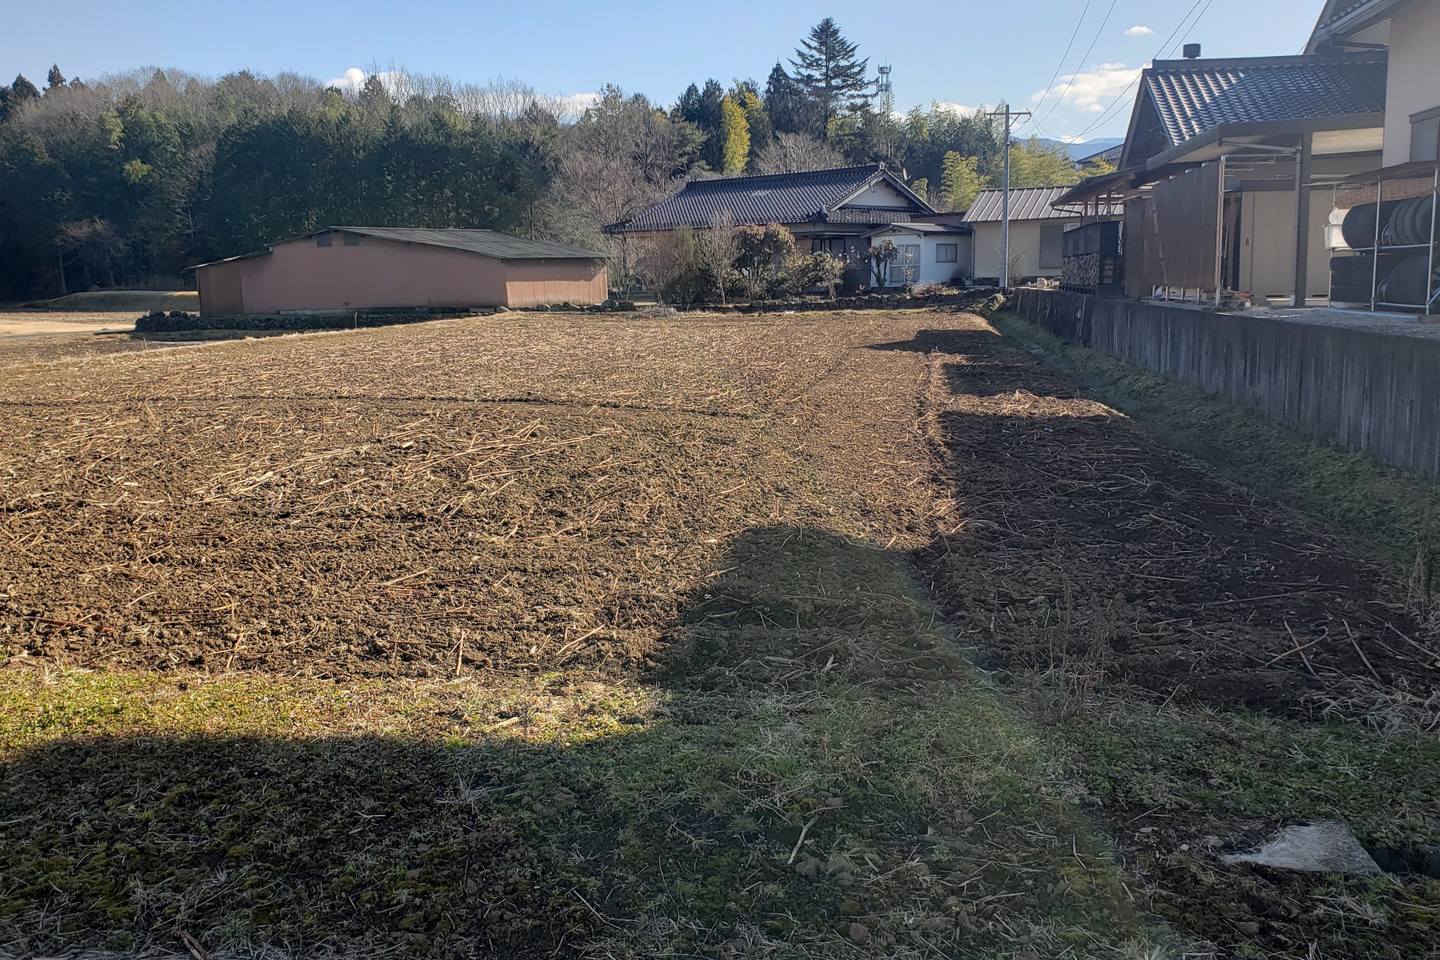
[[23, 89], [829, 74], [785, 103], [54, 78]]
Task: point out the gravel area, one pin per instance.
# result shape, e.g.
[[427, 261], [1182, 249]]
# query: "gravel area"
[[1400, 324]]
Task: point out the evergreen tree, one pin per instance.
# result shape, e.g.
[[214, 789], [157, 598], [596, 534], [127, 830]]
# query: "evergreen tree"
[[701, 107], [785, 103], [734, 137], [832, 79], [374, 97], [22, 90], [54, 78]]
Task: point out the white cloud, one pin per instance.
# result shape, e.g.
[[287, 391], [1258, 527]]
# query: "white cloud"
[[350, 82], [958, 108], [1087, 88], [353, 80], [1139, 31], [572, 107]]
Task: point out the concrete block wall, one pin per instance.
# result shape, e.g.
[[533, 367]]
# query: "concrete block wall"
[[1378, 393]]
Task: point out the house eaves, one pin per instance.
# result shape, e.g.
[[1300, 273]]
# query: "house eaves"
[[1184, 102], [1235, 137], [1345, 18], [884, 175]]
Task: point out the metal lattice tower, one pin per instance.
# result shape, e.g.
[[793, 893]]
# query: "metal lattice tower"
[[884, 90]]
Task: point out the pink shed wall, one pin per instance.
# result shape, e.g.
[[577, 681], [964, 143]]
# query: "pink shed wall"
[[299, 275]]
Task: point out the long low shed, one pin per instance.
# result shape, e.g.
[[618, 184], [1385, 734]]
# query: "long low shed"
[[367, 268]]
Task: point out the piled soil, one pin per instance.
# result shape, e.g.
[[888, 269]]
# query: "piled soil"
[[1085, 540]]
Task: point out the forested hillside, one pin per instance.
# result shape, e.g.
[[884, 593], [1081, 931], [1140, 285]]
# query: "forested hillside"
[[127, 180]]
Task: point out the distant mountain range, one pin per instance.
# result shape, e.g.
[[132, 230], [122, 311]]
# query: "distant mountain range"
[[1079, 151]]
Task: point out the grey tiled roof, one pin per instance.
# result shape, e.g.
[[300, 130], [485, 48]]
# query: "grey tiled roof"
[[1344, 17], [487, 243], [785, 198], [1193, 96], [1026, 203]]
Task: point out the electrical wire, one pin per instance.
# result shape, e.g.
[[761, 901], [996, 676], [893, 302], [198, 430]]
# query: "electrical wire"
[[1060, 99], [1061, 64], [1163, 47]]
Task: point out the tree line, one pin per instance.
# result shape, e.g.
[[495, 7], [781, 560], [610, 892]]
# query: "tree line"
[[128, 180]]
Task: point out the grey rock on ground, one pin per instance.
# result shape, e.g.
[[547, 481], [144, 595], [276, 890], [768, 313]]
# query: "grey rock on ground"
[[1326, 847]]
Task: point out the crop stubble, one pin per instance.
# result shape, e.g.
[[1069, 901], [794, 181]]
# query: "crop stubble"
[[354, 502]]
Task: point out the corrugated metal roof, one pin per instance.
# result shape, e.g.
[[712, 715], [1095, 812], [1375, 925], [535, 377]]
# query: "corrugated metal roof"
[[1026, 203], [487, 243], [785, 198], [1193, 96], [924, 227]]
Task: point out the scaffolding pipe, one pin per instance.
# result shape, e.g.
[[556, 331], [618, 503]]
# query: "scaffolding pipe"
[[1430, 273], [1220, 233]]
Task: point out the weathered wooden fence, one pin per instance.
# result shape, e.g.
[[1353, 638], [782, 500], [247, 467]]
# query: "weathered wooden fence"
[[1365, 390]]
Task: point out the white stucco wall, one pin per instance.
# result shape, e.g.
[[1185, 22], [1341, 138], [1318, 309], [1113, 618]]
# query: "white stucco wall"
[[931, 270], [1414, 74], [881, 194], [1024, 240]]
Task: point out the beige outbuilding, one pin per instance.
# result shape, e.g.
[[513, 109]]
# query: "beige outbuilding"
[[369, 268]]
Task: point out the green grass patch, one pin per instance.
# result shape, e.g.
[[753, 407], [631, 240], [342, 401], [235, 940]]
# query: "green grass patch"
[[815, 771], [1180, 784], [1365, 503]]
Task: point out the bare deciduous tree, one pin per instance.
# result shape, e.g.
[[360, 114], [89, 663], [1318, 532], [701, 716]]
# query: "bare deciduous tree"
[[797, 153], [719, 247], [621, 157]]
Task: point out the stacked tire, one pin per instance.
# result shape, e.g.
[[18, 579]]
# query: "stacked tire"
[[1358, 228], [1407, 283], [1351, 278], [1409, 223]]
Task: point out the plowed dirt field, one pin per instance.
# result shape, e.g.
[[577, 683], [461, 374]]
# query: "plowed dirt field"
[[605, 520]]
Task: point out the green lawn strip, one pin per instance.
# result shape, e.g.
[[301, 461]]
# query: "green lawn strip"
[[1381, 509], [1210, 780], [811, 692]]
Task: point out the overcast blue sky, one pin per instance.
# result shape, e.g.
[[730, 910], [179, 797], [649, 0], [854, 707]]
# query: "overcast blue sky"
[[966, 53]]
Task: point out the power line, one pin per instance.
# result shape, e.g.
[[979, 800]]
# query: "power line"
[[1060, 65], [1163, 47], [1081, 65]]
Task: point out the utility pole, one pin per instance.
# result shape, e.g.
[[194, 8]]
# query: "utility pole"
[[1005, 198]]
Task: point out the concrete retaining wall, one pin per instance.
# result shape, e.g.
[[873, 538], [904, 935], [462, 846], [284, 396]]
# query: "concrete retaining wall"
[[1373, 392]]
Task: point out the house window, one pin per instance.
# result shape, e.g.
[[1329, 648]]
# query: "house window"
[[1052, 246], [1425, 135], [947, 252], [837, 248], [907, 257], [323, 240], [352, 239]]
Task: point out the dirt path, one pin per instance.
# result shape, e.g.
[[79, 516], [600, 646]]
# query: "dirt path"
[[38, 323]]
